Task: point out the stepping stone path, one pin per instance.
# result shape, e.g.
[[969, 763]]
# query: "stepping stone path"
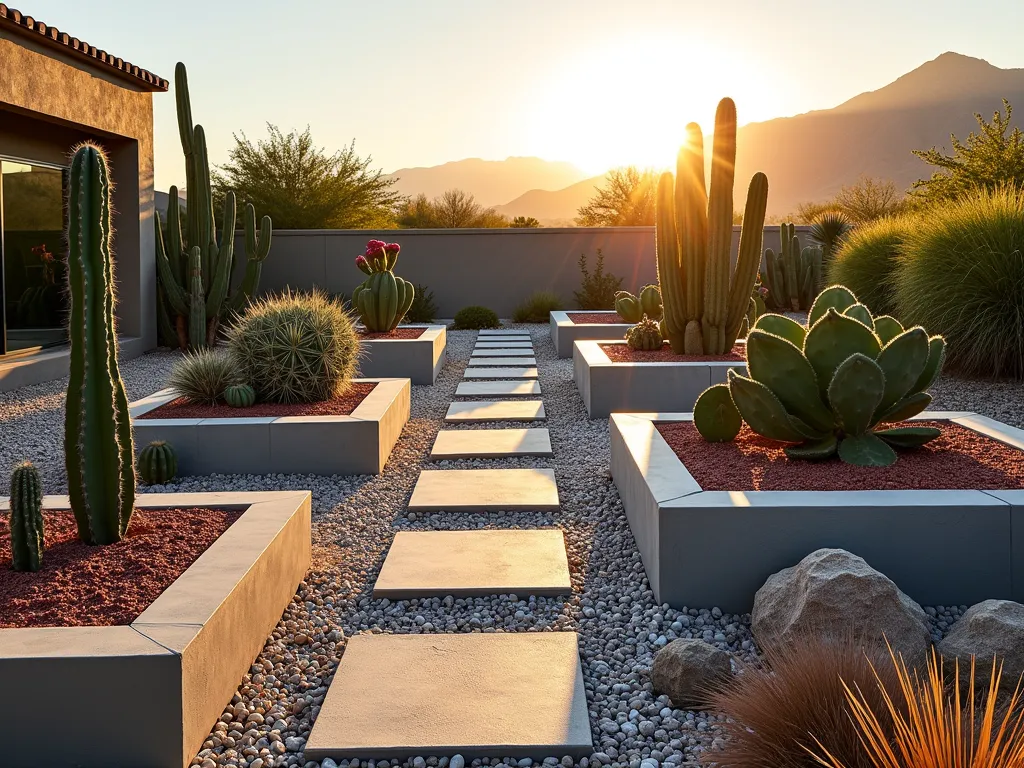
[[514, 694]]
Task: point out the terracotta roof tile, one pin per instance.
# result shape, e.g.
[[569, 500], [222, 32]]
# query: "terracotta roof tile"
[[11, 18]]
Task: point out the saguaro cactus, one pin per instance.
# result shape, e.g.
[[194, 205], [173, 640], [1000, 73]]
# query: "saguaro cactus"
[[26, 518], [705, 302], [98, 450], [195, 296]]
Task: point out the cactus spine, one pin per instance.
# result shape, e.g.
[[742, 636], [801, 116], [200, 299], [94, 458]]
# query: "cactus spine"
[[705, 303], [98, 450], [195, 295], [158, 463], [26, 518]]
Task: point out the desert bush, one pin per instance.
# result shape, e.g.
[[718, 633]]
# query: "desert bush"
[[797, 702], [423, 309], [203, 374], [295, 348], [962, 275], [475, 318], [865, 262], [537, 308], [597, 290]]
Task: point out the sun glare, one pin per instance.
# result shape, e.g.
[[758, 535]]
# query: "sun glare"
[[628, 102]]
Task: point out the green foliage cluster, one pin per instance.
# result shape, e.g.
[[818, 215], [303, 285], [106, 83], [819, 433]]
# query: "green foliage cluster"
[[537, 308], [628, 199], [524, 222], [202, 375], [597, 289], [454, 209], [424, 308], [863, 201], [475, 318], [866, 261]]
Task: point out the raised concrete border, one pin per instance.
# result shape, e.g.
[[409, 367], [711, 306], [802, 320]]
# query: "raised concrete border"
[[497, 694], [608, 387], [357, 444], [565, 333], [183, 657], [419, 360], [716, 548]]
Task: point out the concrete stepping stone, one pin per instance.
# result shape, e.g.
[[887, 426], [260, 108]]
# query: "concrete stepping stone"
[[500, 373], [476, 411], [474, 563], [498, 388], [504, 344], [517, 694], [502, 332], [501, 352], [504, 338], [490, 443], [485, 490], [479, 362]]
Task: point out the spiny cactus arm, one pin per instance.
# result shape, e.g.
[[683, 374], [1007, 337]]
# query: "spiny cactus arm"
[[667, 252], [691, 200], [257, 244], [175, 294], [184, 108], [173, 243], [197, 302], [748, 259], [26, 518], [225, 261], [202, 199], [719, 241]]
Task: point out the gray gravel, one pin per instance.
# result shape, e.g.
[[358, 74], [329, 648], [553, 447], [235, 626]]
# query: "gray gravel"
[[620, 626]]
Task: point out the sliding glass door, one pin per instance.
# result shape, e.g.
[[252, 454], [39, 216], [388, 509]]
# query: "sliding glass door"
[[33, 256]]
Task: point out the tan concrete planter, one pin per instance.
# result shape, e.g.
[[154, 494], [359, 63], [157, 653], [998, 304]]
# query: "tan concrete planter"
[[565, 333], [358, 444], [716, 548], [148, 694], [419, 360], [608, 387]]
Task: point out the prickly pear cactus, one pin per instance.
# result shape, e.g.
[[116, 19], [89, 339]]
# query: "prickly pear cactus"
[[645, 336], [240, 396], [158, 463]]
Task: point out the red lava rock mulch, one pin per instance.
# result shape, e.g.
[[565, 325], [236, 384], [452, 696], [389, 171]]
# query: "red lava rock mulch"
[[88, 586], [959, 459], [398, 333], [181, 408], [621, 353], [596, 318]]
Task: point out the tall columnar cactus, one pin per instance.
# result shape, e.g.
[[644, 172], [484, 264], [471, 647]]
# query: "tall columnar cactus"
[[383, 299], [98, 450], [794, 275], [705, 301], [195, 295], [26, 518]]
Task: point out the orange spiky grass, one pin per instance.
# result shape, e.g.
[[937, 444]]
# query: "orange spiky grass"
[[933, 729]]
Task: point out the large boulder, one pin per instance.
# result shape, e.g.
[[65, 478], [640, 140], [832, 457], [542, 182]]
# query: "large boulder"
[[991, 629], [686, 669], [832, 592]]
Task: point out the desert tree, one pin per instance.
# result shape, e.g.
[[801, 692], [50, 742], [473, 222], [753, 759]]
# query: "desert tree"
[[627, 199]]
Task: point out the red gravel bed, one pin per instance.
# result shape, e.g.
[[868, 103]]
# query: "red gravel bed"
[[87, 586], [621, 353], [398, 333], [596, 318], [959, 459], [182, 408]]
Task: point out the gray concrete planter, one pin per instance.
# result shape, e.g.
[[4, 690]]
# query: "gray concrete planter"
[[419, 360], [358, 444], [565, 333], [716, 548], [147, 694], [608, 387]]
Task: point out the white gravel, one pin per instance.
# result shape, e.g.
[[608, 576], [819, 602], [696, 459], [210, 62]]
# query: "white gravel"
[[613, 610]]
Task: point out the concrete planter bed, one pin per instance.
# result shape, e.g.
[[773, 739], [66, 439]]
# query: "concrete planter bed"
[[355, 444], [419, 358], [610, 387], [717, 547], [157, 685], [565, 332]]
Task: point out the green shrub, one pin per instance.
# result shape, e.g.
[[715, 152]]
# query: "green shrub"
[[866, 261], [475, 318], [537, 308], [962, 275], [597, 290], [423, 309], [295, 349], [203, 374]]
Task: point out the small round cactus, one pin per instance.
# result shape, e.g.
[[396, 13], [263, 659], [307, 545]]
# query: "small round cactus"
[[158, 463], [26, 518], [240, 396], [645, 335]]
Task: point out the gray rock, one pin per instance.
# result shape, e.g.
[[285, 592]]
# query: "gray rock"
[[993, 628], [458, 761], [834, 592], [684, 669]]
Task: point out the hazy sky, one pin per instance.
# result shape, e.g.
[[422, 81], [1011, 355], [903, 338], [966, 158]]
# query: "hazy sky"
[[595, 82]]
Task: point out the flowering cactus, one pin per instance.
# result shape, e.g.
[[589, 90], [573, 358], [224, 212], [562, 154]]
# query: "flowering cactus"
[[383, 299]]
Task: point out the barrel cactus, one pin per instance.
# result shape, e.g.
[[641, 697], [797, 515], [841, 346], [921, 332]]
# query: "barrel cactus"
[[240, 396], [794, 275], [633, 308], [26, 518], [383, 299], [645, 336], [98, 451], [833, 387], [158, 463], [705, 300]]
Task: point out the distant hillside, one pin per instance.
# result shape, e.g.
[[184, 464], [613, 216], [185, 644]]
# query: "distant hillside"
[[491, 182], [553, 209]]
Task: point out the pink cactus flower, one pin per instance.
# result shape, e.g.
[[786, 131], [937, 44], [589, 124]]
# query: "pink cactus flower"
[[392, 248]]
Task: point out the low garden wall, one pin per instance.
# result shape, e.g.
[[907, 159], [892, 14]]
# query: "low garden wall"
[[496, 268]]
